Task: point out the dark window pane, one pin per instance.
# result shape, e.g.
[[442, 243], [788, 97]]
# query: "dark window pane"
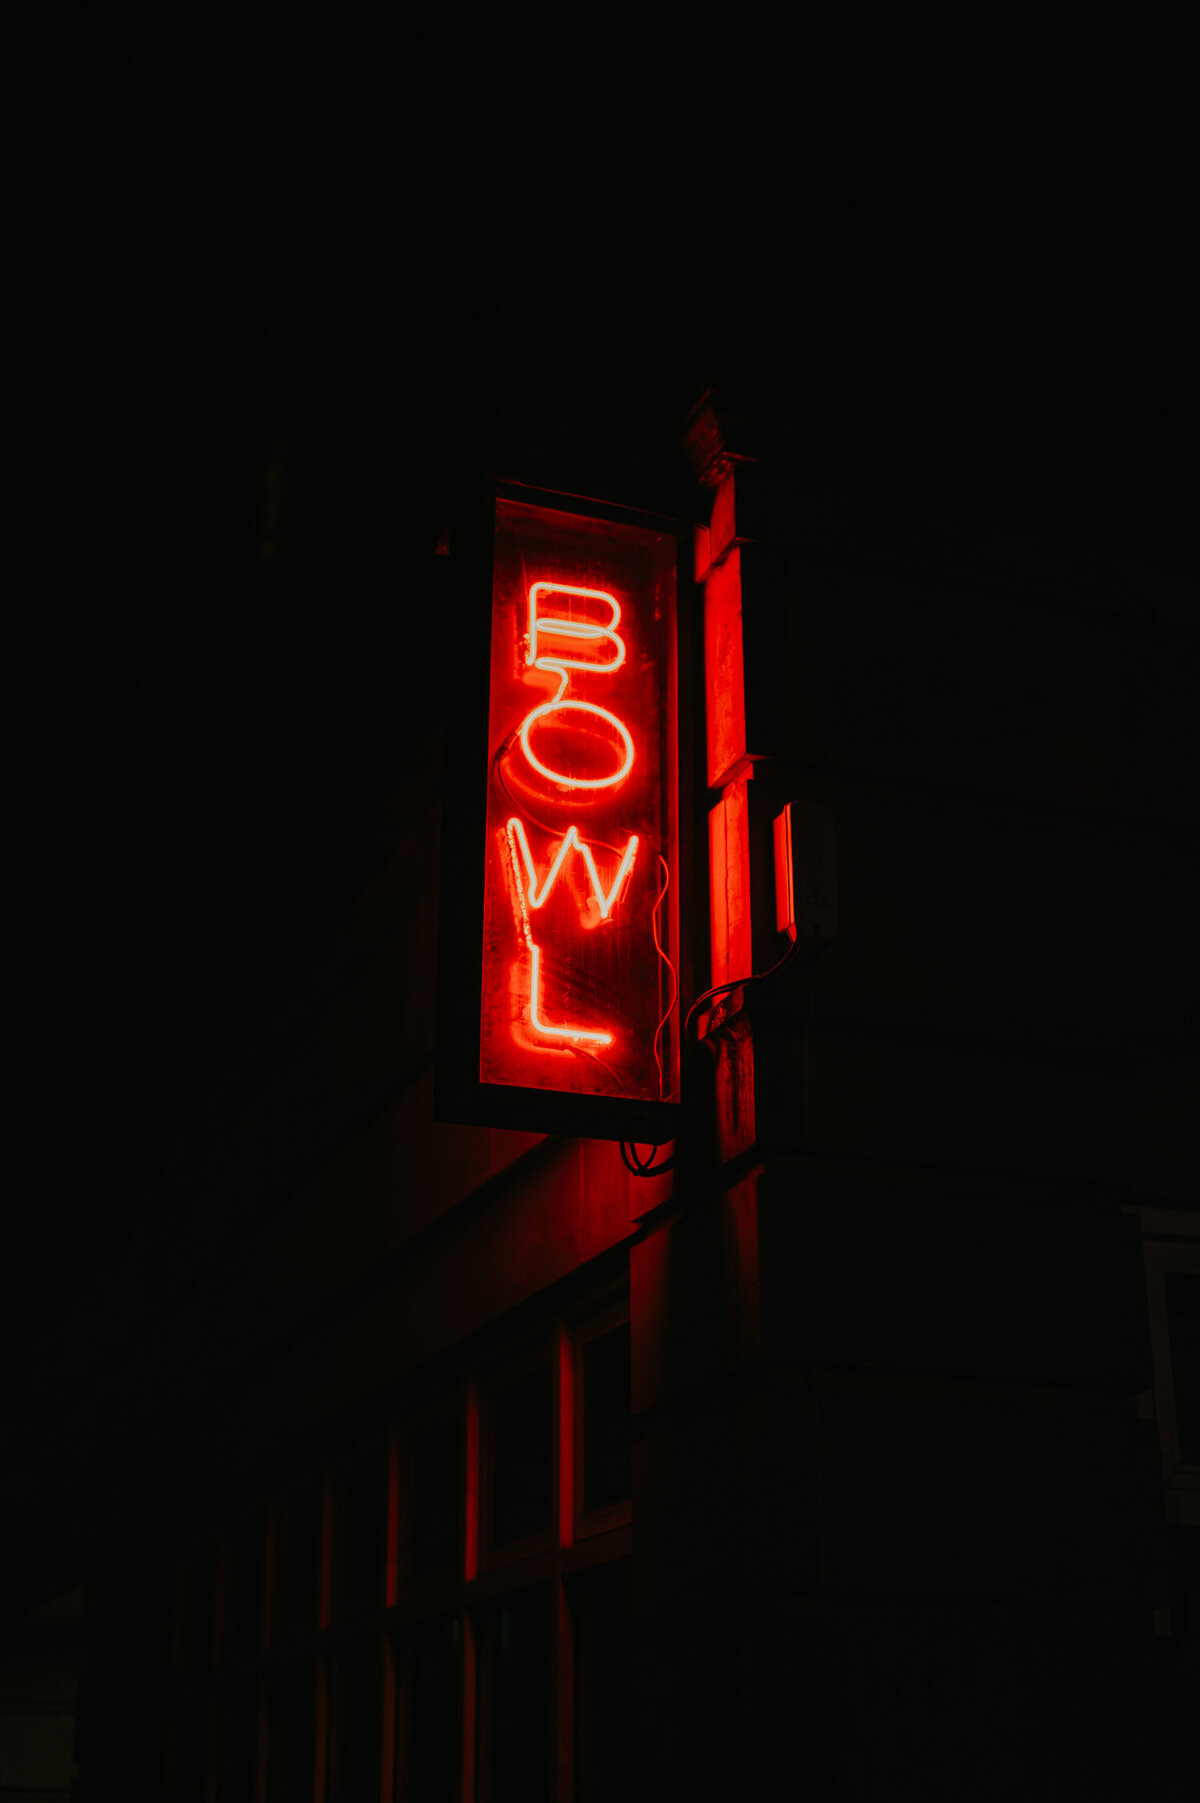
[[189, 1751], [238, 1758], [297, 1563], [515, 1718], [435, 1523], [606, 1378], [291, 1739], [244, 1586], [198, 1603], [364, 1524], [1183, 1315], [521, 1450], [603, 1688], [356, 1694], [434, 1754]]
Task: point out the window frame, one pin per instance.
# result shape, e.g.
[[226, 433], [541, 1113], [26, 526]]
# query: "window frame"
[[481, 1577], [614, 1515], [492, 1556], [1170, 1242]]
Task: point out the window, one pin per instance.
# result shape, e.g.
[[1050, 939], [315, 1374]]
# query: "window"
[[354, 1679], [514, 1541], [296, 1565], [518, 1457], [237, 1742], [603, 1448], [217, 1717], [442, 1611], [514, 1707], [1181, 1293], [433, 1517], [430, 1758], [243, 1587], [294, 1562], [1171, 1241], [196, 1603], [292, 1729], [351, 1666], [362, 1528], [602, 1609]]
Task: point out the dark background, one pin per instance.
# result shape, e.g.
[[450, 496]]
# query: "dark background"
[[277, 281]]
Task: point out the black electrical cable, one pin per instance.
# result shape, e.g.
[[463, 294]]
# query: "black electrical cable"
[[740, 983], [582, 1052], [635, 1166], [555, 832], [638, 1167], [674, 974]]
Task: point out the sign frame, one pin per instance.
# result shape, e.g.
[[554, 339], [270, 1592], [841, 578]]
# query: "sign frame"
[[460, 1093]]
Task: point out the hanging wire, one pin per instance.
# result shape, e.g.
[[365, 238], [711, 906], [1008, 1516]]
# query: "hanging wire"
[[582, 1052], [647, 1168], [740, 983], [674, 976], [555, 831]]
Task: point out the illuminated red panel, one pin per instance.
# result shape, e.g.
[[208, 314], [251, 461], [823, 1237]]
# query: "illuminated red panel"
[[579, 961], [725, 680], [729, 885]]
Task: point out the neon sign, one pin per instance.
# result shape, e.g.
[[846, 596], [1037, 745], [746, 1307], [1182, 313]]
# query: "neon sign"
[[580, 923]]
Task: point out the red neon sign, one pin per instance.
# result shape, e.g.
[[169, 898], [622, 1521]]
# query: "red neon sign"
[[579, 979]]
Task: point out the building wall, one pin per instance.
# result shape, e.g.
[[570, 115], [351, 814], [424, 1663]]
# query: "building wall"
[[908, 1323]]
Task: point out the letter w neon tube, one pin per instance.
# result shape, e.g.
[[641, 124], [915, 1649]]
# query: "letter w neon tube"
[[531, 897], [571, 842]]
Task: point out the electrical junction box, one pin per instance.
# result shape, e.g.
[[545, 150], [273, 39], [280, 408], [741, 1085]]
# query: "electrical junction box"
[[806, 872]]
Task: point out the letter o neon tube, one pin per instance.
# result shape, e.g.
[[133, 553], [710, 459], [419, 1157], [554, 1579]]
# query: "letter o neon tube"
[[577, 782]]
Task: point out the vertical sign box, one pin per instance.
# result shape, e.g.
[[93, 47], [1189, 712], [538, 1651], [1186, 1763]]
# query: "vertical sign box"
[[577, 871]]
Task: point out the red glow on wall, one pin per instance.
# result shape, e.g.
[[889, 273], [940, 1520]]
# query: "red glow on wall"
[[578, 973]]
